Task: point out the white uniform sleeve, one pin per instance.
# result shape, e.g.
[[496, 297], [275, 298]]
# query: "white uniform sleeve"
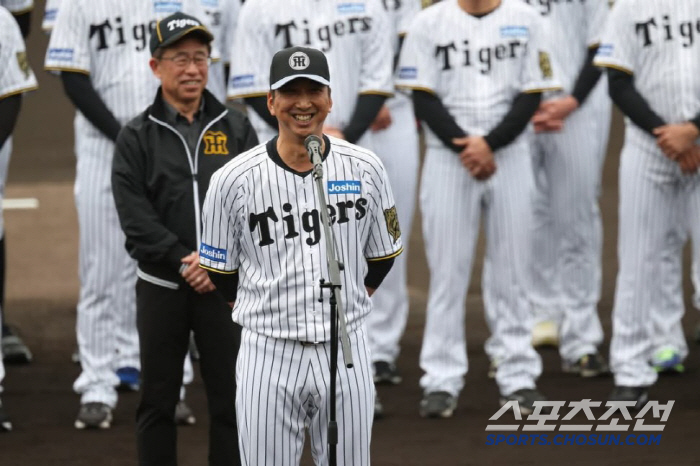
[[221, 226], [384, 239], [251, 53], [409, 9], [69, 48], [50, 12], [18, 6], [376, 75], [416, 69], [596, 15], [539, 71], [229, 17], [15, 74], [617, 49]]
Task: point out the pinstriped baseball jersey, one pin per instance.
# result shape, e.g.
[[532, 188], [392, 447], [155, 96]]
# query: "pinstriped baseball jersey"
[[18, 6], [221, 17], [50, 13], [572, 23], [469, 62], [658, 43], [261, 220], [109, 41], [355, 36]]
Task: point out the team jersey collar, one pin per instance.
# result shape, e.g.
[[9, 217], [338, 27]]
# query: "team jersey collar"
[[275, 156]]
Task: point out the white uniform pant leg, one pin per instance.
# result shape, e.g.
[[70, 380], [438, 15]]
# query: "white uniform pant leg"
[[282, 390], [649, 202], [508, 202], [102, 259], [126, 335], [5, 153], [187, 375], [668, 307], [693, 215], [450, 202], [397, 147]]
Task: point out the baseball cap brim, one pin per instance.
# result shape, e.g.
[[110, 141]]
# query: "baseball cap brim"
[[288, 79]]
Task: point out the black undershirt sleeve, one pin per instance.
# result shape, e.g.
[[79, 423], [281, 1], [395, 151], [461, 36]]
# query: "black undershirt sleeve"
[[631, 102], [515, 121], [377, 271], [226, 283], [366, 110], [259, 104], [430, 109], [696, 121], [9, 111], [587, 78], [25, 21], [82, 93]]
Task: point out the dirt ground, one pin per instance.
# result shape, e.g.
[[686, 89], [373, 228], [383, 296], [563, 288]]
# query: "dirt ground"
[[42, 291]]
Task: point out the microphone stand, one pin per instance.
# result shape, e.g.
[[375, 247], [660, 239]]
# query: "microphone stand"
[[313, 146]]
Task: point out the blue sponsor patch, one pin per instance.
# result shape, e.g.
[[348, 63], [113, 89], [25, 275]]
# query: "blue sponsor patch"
[[408, 72], [605, 50], [167, 6], [212, 253], [50, 15], [351, 7], [345, 187], [210, 3], [243, 80], [61, 54], [515, 31]]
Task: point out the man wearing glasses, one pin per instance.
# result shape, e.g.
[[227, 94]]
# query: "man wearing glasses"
[[162, 164]]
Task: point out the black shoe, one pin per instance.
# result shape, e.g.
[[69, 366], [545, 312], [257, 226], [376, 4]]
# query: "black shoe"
[[640, 395], [385, 373], [14, 350], [588, 365], [378, 408], [94, 416], [438, 405], [526, 398]]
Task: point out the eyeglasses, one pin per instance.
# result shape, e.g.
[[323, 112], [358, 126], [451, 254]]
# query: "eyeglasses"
[[182, 60]]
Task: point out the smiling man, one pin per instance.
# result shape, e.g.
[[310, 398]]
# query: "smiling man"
[[261, 241], [163, 161]]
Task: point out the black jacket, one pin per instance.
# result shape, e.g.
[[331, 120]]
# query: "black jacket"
[[159, 188]]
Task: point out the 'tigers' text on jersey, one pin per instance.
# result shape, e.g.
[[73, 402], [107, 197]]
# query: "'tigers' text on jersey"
[[295, 34]]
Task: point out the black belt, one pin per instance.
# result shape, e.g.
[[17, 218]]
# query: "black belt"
[[311, 343]]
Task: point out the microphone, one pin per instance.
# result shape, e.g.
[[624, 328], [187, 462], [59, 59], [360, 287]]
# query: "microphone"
[[313, 146]]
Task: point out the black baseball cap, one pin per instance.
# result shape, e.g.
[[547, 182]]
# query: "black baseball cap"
[[176, 26], [298, 62]]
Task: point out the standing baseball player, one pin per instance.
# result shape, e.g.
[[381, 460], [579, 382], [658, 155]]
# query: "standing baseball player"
[[394, 136], [221, 19], [16, 78], [572, 133], [476, 161], [263, 244], [653, 60], [101, 50], [14, 350], [185, 135], [356, 37]]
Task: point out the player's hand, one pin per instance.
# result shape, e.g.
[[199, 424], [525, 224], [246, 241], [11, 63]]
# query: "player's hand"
[[382, 120], [477, 157], [689, 161], [333, 131], [195, 276], [551, 114], [676, 139]]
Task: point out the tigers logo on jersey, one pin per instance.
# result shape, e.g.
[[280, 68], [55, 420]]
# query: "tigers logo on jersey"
[[392, 223], [545, 65], [23, 64], [215, 143]]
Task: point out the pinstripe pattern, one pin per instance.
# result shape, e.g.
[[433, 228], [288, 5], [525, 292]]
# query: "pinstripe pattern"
[[13, 80], [359, 61], [452, 202], [221, 18], [283, 385], [283, 389], [566, 267], [50, 13], [654, 194], [116, 59], [397, 146]]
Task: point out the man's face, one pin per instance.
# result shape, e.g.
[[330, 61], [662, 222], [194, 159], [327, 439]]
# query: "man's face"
[[301, 107], [183, 70]]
